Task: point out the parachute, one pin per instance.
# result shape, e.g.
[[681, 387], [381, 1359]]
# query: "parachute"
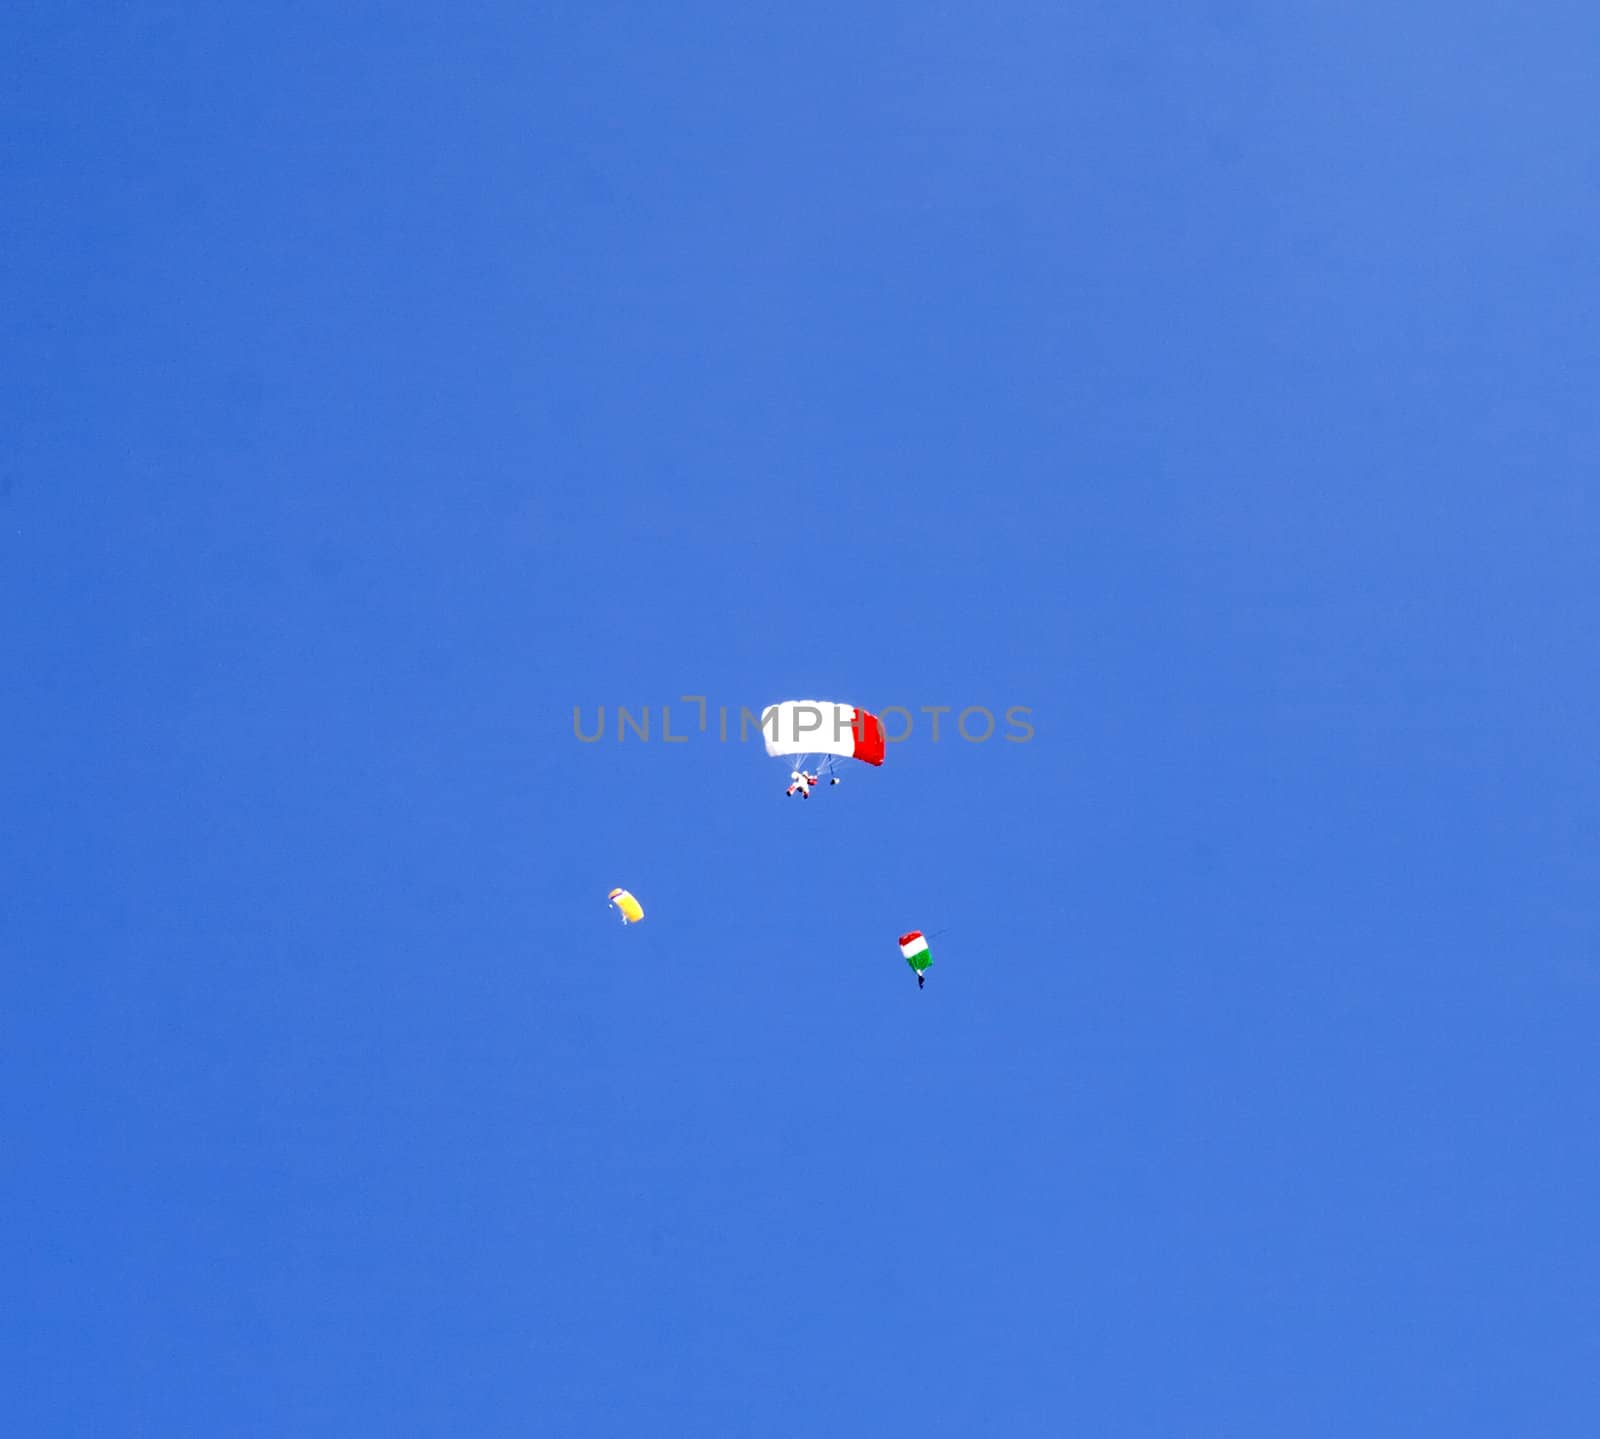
[[915, 948], [632, 910], [810, 728]]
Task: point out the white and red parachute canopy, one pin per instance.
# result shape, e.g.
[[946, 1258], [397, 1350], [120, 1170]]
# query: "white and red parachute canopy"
[[822, 727]]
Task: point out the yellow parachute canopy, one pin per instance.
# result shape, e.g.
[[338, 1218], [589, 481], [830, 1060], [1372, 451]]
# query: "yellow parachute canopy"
[[632, 910]]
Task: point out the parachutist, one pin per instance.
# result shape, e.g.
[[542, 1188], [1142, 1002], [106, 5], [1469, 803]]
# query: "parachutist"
[[802, 782], [914, 946]]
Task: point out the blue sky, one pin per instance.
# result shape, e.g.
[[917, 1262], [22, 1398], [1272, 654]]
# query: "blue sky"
[[1217, 383]]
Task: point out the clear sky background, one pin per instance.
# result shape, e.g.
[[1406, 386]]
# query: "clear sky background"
[[378, 383]]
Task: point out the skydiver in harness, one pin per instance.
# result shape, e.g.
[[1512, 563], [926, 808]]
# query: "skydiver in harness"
[[802, 782]]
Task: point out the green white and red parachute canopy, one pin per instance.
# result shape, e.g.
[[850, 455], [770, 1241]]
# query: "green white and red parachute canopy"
[[801, 731], [914, 946]]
